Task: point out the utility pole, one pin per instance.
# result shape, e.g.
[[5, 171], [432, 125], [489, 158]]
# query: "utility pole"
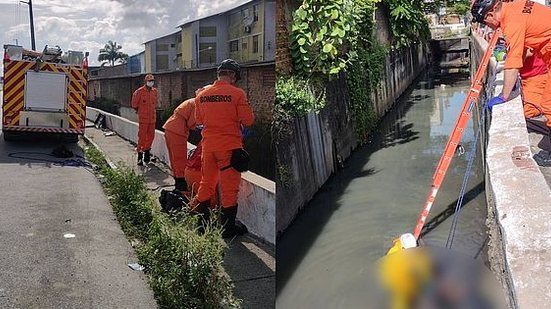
[[30, 4]]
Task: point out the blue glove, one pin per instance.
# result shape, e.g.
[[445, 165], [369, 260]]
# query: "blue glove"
[[246, 132], [495, 101]]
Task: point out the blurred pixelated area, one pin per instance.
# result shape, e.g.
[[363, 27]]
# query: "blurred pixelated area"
[[429, 277]]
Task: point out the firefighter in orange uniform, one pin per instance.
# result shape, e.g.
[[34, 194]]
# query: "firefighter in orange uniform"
[[176, 135], [222, 109], [144, 102], [525, 25]]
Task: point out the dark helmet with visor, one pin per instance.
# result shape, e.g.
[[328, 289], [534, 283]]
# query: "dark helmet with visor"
[[231, 65], [480, 8]]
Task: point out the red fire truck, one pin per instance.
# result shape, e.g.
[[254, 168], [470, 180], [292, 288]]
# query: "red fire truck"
[[44, 92]]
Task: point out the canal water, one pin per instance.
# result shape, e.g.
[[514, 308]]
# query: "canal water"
[[324, 257]]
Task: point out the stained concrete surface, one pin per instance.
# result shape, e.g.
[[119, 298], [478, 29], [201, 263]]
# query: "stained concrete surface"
[[520, 196], [39, 268], [249, 262]]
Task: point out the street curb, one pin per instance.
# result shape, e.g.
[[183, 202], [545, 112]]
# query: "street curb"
[[109, 162]]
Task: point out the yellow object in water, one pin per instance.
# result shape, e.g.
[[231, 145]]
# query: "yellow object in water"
[[396, 247], [403, 273]]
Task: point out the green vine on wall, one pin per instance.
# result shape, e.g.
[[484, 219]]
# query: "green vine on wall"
[[319, 36], [363, 77], [294, 97]]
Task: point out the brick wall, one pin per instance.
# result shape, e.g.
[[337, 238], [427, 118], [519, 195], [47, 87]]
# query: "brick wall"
[[260, 91], [106, 71], [284, 63], [258, 81]]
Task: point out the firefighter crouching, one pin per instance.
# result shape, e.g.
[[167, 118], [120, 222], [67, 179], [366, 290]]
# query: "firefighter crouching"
[[222, 109], [144, 102], [176, 135]]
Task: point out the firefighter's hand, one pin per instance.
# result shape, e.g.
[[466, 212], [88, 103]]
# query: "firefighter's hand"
[[495, 101], [136, 110]]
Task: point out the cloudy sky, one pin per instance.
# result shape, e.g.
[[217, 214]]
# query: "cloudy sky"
[[86, 25]]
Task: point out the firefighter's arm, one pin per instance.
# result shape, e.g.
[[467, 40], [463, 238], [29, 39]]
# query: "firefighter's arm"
[[244, 111], [190, 115], [198, 116], [509, 80], [515, 35], [135, 100]]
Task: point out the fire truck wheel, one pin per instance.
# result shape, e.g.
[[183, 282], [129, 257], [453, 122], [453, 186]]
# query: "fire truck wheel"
[[70, 138], [10, 136]]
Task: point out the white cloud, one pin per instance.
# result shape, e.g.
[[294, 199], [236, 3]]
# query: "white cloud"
[[88, 24]]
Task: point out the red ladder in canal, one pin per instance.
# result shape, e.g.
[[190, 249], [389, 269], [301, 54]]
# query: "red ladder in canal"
[[455, 137]]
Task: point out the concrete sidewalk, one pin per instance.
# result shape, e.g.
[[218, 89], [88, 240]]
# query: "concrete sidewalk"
[[250, 263]]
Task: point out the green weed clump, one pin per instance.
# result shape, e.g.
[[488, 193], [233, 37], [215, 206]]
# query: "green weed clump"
[[184, 267]]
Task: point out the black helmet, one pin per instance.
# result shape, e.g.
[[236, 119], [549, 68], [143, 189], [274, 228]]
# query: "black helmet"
[[230, 65], [480, 8]]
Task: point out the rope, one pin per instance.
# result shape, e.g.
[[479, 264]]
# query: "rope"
[[459, 205]]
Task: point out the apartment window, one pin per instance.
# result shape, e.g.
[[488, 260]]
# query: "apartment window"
[[172, 45], [162, 47], [234, 46], [244, 45], [207, 53], [255, 44], [255, 13], [162, 62], [207, 32]]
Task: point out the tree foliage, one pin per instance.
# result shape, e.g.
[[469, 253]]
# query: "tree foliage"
[[320, 35], [408, 22], [111, 53]]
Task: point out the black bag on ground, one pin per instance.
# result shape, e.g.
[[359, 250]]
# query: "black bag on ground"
[[239, 160], [172, 201]]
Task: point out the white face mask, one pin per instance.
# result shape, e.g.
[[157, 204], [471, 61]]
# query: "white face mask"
[[149, 84]]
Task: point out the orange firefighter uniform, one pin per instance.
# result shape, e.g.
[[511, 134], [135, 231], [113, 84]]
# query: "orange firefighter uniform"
[[533, 79], [144, 101], [222, 109], [176, 134], [527, 25]]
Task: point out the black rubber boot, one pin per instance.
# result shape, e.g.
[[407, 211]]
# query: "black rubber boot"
[[180, 184], [204, 216], [140, 158], [147, 156], [231, 227]]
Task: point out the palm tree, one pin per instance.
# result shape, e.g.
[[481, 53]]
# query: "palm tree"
[[111, 53]]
